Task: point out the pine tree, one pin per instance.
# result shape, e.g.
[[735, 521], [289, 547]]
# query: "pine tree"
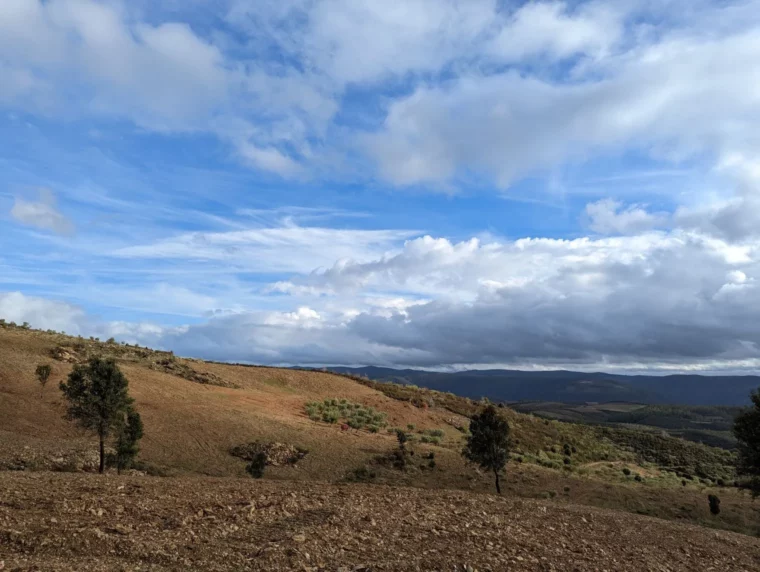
[[747, 433], [130, 431], [98, 399], [488, 442]]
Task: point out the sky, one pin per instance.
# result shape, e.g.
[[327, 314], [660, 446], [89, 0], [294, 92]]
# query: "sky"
[[440, 184]]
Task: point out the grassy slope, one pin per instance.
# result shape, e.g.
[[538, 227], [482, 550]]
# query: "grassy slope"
[[190, 427]]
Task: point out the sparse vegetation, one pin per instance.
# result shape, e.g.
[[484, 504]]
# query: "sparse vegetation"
[[269, 406], [98, 399], [488, 443], [683, 457], [354, 415], [361, 475]]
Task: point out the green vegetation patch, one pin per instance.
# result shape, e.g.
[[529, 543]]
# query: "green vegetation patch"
[[355, 415], [685, 458]]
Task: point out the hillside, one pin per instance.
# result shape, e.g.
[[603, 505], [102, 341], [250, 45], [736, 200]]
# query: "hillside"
[[195, 412], [701, 424], [575, 387]]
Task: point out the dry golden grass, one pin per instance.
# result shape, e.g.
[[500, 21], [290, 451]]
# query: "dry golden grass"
[[190, 427]]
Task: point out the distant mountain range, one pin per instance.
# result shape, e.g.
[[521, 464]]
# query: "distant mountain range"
[[573, 386]]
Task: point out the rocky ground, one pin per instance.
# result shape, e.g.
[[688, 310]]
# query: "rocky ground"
[[60, 521]]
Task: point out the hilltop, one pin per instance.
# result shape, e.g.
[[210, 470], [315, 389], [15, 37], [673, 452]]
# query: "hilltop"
[[196, 413], [575, 386]]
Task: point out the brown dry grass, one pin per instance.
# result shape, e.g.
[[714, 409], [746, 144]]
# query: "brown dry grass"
[[190, 427]]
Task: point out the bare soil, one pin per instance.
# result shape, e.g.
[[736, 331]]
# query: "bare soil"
[[52, 521]]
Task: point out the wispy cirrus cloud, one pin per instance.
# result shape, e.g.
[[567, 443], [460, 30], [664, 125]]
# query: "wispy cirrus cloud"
[[42, 213]]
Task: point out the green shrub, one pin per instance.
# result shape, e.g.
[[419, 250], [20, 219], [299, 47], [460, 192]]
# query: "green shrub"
[[257, 465], [354, 415], [714, 502], [626, 471], [434, 432], [362, 474]]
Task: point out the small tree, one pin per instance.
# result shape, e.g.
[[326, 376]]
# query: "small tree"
[[130, 431], [488, 442], [43, 374], [98, 399], [747, 433], [402, 438], [714, 504], [257, 465]]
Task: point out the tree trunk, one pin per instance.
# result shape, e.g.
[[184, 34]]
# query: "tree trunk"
[[498, 487], [102, 454]]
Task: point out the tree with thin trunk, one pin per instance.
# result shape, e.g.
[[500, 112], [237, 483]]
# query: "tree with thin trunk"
[[747, 433], [98, 399], [488, 442], [130, 431], [43, 372]]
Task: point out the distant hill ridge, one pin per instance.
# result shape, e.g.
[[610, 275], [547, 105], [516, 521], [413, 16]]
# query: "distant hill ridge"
[[573, 386]]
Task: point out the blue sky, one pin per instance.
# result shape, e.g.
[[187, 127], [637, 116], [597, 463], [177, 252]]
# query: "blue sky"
[[427, 183]]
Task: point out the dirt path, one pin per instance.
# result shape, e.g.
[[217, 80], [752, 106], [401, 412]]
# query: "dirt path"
[[52, 521]]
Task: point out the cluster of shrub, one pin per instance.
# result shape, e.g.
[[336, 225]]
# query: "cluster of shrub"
[[354, 415], [24, 326], [685, 458], [401, 457], [428, 436]]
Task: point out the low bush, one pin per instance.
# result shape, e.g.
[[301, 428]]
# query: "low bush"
[[257, 465], [434, 432], [361, 475], [714, 502]]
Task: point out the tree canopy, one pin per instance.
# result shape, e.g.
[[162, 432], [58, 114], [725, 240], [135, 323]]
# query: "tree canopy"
[[98, 398], [488, 442], [43, 372], [129, 432], [747, 433]]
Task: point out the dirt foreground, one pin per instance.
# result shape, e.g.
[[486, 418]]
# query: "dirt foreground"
[[59, 521]]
